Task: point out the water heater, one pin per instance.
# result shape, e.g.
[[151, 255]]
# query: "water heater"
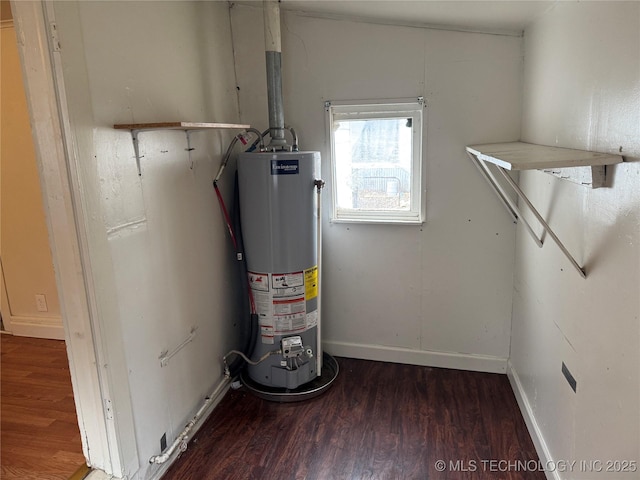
[[278, 205], [279, 198]]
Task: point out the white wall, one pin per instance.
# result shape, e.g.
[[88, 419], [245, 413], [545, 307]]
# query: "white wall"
[[159, 261], [582, 90], [27, 267], [437, 294]]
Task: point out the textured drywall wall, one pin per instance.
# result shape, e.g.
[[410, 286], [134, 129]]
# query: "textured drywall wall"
[[159, 261], [436, 294], [582, 90]]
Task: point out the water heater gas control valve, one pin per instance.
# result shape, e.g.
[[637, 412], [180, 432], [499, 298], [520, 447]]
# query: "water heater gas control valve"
[[292, 347]]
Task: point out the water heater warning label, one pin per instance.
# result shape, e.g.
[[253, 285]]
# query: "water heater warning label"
[[259, 281], [287, 280], [284, 167], [281, 302], [311, 282]]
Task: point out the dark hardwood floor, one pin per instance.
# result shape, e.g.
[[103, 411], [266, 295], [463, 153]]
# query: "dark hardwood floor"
[[39, 435], [378, 421]]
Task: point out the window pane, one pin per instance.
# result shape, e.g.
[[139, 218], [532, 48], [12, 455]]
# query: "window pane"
[[373, 161]]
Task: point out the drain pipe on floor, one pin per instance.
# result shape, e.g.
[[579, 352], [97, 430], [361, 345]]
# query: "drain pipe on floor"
[[182, 440]]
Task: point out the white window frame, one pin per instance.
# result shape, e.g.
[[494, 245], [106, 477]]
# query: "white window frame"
[[379, 109]]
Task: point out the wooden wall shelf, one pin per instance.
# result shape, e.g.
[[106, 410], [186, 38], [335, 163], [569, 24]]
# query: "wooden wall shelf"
[[145, 127]]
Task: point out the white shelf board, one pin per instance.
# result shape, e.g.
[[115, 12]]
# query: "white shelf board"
[[528, 156]]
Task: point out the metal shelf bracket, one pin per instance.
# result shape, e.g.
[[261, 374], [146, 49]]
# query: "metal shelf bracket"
[[186, 127], [189, 148], [513, 209], [136, 148]]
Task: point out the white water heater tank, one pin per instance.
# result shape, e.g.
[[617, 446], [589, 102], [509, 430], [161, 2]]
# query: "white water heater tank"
[[278, 211]]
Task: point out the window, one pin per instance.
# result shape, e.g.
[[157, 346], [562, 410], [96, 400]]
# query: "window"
[[376, 151]]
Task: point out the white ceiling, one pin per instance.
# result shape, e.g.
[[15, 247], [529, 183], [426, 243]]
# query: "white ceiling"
[[505, 15]]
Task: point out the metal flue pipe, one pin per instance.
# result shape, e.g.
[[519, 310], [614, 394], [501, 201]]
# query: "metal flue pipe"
[[274, 73]]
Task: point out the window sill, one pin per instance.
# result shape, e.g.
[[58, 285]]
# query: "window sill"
[[378, 221]]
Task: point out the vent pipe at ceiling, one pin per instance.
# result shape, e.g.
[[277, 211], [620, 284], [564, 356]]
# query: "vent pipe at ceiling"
[[274, 72]]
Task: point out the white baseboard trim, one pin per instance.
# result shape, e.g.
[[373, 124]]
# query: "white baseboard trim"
[[38, 327], [457, 361], [532, 425]]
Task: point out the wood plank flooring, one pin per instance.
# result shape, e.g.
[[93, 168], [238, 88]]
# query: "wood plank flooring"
[[378, 421], [39, 435]]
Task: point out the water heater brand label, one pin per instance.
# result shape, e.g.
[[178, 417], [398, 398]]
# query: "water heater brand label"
[[284, 167]]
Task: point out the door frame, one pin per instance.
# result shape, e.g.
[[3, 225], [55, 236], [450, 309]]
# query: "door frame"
[[45, 325], [44, 88]]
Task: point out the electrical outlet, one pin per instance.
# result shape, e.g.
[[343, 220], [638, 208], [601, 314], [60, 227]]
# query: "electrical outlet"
[[41, 303]]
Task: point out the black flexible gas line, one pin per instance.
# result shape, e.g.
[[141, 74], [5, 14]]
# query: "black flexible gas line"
[[250, 344]]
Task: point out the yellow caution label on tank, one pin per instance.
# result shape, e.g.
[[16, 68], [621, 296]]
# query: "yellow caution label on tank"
[[311, 283]]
